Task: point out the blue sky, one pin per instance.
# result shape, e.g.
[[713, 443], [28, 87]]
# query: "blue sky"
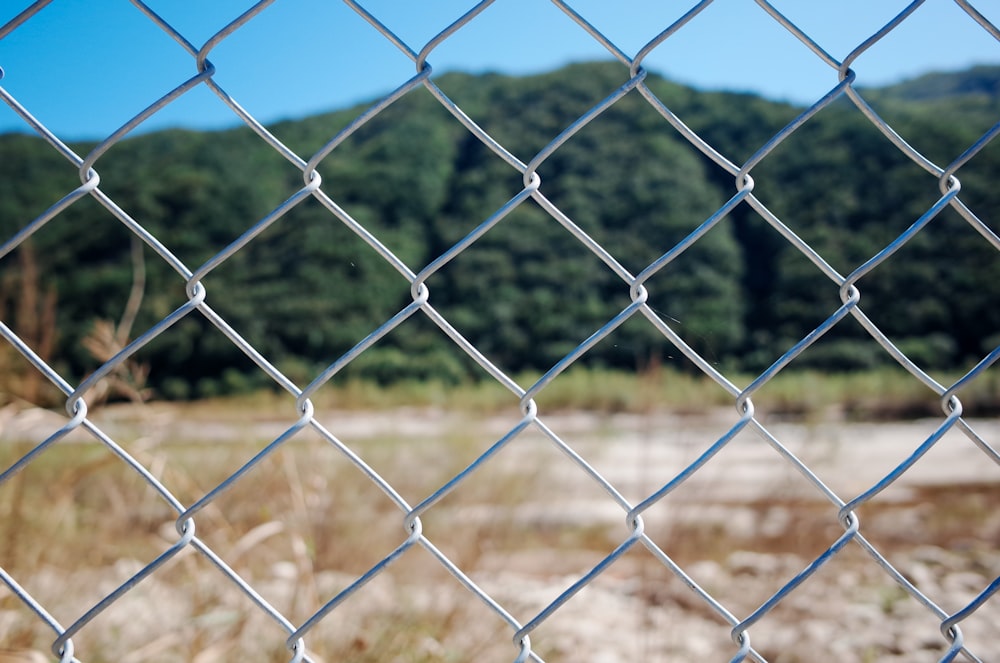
[[85, 67]]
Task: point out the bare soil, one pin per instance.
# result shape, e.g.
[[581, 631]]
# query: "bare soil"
[[524, 527]]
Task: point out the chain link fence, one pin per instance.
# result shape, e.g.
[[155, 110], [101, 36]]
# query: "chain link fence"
[[521, 616]]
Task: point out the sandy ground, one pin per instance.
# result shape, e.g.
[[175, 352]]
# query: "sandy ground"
[[628, 448], [741, 527]]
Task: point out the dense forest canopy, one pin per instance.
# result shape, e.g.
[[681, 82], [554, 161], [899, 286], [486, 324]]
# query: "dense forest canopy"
[[527, 292]]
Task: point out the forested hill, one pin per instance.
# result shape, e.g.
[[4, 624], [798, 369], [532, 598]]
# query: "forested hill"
[[980, 82], [527, 292]]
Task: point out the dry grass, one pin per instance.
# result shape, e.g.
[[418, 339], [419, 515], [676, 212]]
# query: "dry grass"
[[302, 525], [306, 522], [886, 394]]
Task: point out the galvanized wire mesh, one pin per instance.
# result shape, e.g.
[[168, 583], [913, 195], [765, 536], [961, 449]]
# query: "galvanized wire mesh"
[[521, 626]]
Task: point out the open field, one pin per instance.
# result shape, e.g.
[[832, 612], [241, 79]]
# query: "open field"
[[305, 523]]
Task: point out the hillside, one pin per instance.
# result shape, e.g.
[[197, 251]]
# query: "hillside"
[[981, 81], [307, 289]]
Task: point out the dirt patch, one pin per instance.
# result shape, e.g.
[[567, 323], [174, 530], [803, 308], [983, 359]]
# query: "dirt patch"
[[543, 512]]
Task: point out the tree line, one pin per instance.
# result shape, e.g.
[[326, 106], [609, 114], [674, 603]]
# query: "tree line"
[[527, 292]]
